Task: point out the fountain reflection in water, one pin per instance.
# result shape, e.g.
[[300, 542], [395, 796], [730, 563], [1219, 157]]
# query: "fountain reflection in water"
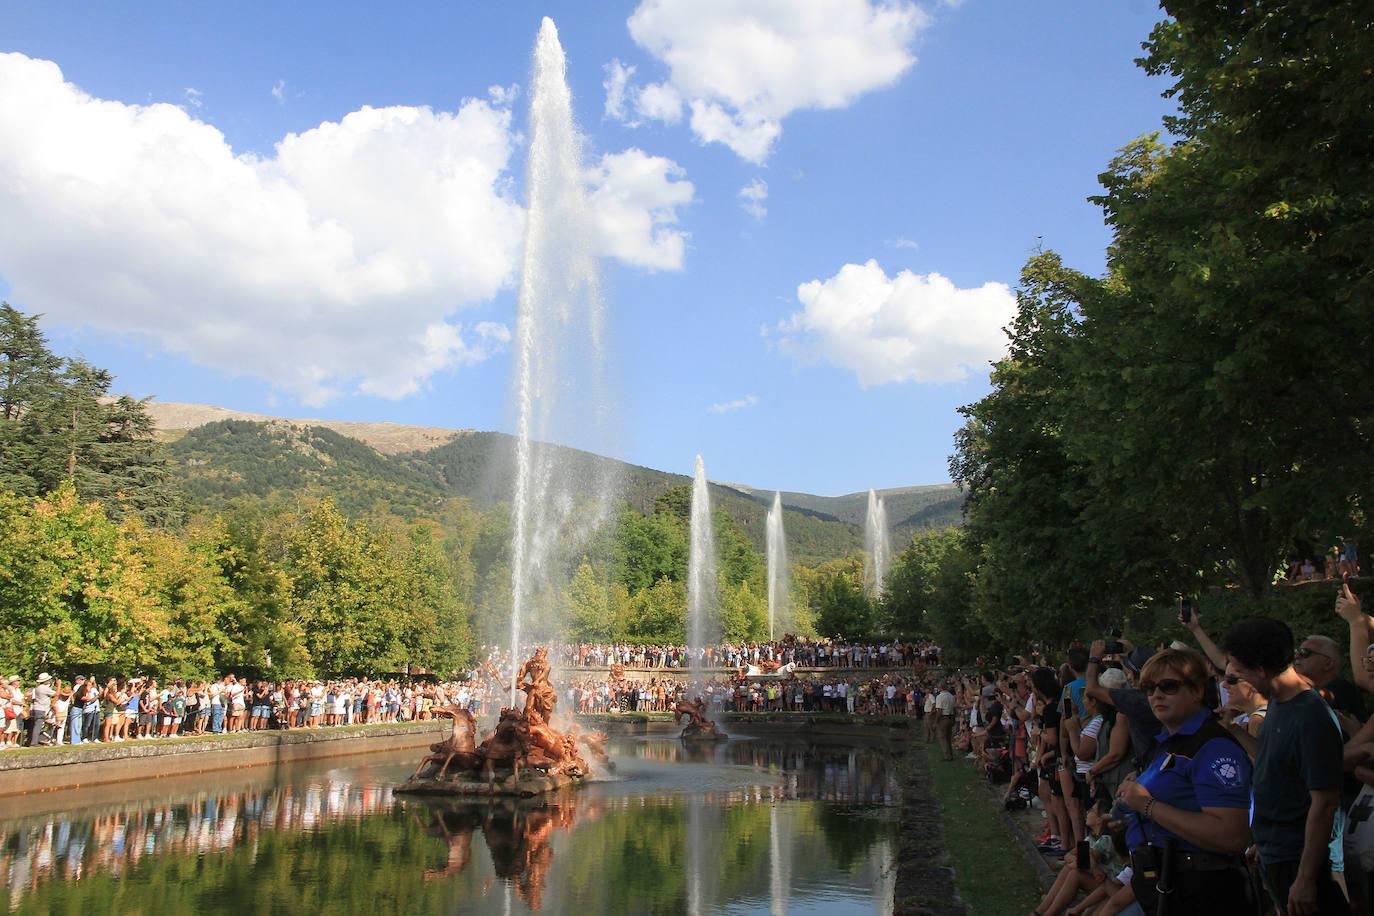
[[695, 855], [779, 862], [877, 543], [561, 392], [778, 593]]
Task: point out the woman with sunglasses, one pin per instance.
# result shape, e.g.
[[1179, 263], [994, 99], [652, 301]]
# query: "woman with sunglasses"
[[1187, 816]]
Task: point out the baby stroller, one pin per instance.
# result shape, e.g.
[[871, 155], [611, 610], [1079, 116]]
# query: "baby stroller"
[[997, 762]]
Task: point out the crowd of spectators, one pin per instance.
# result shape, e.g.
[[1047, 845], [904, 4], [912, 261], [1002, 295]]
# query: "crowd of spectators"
[[52, 711], [804, 653], [1189, 778], [1194, 777]]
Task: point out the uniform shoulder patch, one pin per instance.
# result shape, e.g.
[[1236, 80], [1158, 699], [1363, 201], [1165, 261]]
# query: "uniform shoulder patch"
[[1227, 771]]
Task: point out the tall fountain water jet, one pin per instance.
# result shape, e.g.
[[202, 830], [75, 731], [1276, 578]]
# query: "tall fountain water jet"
[[877, 543], [778, 598], [701, 574], [560, 390]]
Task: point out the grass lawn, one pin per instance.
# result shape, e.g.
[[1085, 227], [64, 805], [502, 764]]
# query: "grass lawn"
[[993, 875]]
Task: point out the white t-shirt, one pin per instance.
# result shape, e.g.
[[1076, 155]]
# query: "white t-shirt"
[[1091, 730]]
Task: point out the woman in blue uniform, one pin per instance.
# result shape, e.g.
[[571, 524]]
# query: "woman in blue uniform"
[[1187, 818]]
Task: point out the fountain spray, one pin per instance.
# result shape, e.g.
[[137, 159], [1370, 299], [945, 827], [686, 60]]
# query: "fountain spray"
[[560, 391], [878, 545]]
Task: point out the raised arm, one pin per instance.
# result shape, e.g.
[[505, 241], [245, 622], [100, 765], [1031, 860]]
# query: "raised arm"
[[1091, 687], [1352, 612], [1209, 648]]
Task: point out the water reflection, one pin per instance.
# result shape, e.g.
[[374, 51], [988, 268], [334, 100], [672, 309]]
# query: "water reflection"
[[816, 772], [749, 827], [517, 834]]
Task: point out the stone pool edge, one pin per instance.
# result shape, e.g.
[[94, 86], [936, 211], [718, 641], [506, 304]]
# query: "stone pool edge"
[[49, 769]]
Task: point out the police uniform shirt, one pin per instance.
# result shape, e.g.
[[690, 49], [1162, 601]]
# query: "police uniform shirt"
[[1216, 776]]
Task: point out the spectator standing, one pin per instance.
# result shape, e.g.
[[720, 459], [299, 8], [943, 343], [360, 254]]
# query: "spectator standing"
[[1185, 823], [1298, 767], [61, 705], [40, 705], [944, 711], [1319, 660], [76, 712], [1048, 719]]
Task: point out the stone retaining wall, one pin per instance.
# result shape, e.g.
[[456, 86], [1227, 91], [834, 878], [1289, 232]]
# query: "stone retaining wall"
[[44, 769]]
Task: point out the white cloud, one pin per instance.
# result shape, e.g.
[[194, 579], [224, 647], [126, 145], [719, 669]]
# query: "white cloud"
[[659, 102], [754, 194], [503, 96], [635, 197], [617, 79], [192, 96], [729, 406], [279, 91], [741, 66], [905, 243], [336, 265], [905, 328]]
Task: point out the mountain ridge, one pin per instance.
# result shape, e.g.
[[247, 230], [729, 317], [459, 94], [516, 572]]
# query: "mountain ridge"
[[221, 455]]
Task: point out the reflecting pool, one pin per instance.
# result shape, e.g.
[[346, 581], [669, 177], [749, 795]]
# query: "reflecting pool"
[[746, 826]]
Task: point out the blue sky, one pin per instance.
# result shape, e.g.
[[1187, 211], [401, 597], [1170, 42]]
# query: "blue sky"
[[813, 212]]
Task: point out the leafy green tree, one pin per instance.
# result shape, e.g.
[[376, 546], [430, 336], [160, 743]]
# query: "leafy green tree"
[[55, 560], [649, 548], [59, 422], [739, 563], [436, 631], [743, 612], [174, 597], [931, 591], [589, 608], [845, 610], [346, 593], [1240, 268], [80, 594], [1044, 535], [656, 614], [28, 372], [675, 502], [263, 629]]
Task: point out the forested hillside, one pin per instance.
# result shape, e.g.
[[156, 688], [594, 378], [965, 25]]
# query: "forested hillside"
[[277, 462], [232, 461]]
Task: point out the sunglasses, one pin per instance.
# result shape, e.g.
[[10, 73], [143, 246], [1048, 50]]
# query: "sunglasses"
[[1304, 652], [1168, 686]]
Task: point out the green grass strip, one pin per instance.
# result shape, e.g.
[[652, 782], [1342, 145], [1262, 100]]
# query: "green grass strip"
[[993, 875]]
